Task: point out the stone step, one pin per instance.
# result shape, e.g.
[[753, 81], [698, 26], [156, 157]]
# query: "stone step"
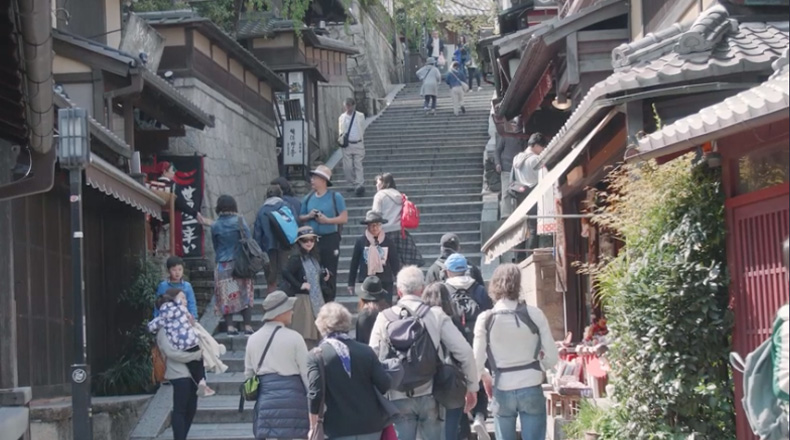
[[466, 145], [426, 226], [444, 187], [471, 236], [213, 431], [429, 208], [405, 171], [442, 178], [419, 200], [429, 218], [222, 410], [424, 248], [473, 256]]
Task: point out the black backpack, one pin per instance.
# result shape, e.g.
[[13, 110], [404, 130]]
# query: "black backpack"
[[411, 344], [467, 308], [521, 313]]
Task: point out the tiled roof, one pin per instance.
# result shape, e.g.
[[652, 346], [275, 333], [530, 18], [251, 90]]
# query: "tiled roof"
[[336, 45], [259, 24], [749, 47], [184, 17], [465, 8], [770, 97]]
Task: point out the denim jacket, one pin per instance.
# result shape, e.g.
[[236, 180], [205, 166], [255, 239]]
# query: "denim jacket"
[[225, 237]]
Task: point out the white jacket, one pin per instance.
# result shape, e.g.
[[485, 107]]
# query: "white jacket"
[[212, 350]]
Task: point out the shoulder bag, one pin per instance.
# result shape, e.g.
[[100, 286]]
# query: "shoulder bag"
[[159, 364], [249, 389], [343, 141], [249, 259], [464, 85], [516, 189], [317, 433]]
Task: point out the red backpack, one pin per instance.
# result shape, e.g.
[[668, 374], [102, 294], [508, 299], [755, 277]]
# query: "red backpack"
[[409, 216]]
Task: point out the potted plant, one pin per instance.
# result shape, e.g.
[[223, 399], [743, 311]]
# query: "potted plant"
[[585, 425]]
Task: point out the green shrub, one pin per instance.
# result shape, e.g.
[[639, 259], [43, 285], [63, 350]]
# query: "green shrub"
[[667, 301]]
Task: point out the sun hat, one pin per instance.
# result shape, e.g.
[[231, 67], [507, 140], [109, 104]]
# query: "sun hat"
[[373, 217], [456, 263], [371, 289], [450, 241], [275, 304], [304, 232], [324, 172], [431, 61]]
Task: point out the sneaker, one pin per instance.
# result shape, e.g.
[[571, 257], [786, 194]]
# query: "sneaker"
[[204, 390], [433, 112], [479, 427], [359, 191], [479, 88]]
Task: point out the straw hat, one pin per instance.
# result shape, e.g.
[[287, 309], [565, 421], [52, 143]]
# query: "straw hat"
[[275, 304], [324, 172]]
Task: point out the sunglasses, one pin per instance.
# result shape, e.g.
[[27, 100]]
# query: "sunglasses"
[[307, 240]]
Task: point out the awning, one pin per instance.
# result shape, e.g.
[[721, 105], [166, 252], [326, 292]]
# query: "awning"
[[514, 230], [111, 181]]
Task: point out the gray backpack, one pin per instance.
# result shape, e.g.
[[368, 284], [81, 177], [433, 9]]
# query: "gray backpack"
[[521, 315], [766, 416], [410, 343]]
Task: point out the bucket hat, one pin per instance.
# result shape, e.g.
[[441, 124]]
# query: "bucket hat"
[[275, 304], [324, 172]]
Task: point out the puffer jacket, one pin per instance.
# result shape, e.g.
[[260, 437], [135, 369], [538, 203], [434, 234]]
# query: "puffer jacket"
[[281, 408]]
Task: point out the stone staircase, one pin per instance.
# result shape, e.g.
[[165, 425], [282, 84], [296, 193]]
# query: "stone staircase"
[[438, 162]]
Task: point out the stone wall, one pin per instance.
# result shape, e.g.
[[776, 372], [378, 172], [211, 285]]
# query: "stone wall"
[[114, 418], [239, 151], [538, 283], [380, 62]]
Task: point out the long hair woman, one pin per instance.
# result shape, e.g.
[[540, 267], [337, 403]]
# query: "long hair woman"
[[389, 202]]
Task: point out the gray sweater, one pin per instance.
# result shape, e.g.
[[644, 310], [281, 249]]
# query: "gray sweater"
[[176, 359]]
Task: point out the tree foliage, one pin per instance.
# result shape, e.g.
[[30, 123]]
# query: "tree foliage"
[[667, 301]]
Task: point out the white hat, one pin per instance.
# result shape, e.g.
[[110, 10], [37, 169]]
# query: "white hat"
[[275, 304]]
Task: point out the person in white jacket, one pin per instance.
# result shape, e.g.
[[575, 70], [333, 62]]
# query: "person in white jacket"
[[431, 78], [419, 410]]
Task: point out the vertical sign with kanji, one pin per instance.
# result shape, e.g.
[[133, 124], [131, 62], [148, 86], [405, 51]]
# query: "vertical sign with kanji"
[[189, 190], [295, 150]]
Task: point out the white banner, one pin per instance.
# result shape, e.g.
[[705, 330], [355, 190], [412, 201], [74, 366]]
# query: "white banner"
[[294, 143]]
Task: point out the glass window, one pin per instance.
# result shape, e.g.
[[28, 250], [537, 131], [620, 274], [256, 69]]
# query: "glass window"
[[763, 168]]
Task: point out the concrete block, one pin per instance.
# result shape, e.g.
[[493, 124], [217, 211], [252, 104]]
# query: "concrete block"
[[15, 396]]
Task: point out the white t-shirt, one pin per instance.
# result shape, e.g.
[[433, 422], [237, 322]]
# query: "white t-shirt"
[[436, 48], [525, 166]]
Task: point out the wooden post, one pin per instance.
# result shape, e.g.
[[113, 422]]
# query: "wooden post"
[[9, 377]]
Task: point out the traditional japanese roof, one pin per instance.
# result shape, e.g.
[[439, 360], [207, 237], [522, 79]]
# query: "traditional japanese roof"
[[465, 8], [768, 102], [211, 30], [336, 45], [714, 46], [124, 64], [266, 24], [100, 132]]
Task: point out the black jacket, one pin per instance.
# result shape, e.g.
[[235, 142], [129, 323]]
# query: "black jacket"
[[429, 46], [365, 320], [434, 273], [506, 150], [352, 407], [293, 276], [358, 270]]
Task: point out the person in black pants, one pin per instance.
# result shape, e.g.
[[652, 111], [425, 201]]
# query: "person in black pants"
[[185, 397], [325, 211]]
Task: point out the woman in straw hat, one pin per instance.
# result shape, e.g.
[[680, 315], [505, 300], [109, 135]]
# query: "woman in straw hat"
[[277, 355], [374, 254], [305, 278]]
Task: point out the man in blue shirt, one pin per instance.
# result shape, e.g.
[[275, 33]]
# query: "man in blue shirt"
[[325, 211], [175, 280]]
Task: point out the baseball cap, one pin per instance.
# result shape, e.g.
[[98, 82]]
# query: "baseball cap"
[[456, 263], [450, 241]]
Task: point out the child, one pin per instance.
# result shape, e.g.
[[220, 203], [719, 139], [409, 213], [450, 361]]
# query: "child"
[[175, 268], [178, 324]]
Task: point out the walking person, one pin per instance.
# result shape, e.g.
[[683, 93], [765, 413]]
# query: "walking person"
[[431, 77], [372, 300], [185, 398], [458, 86], [389, 202], [449, 244], [288, 197], [346, 378], [325, 211], [461, 56], [473, 72], [233, 295], [278, 356], [527, 172], [511, 337], [305, 279], [507, 148], [420, 413], [351, 126], [374, 255], [266, 236], [435, 48]]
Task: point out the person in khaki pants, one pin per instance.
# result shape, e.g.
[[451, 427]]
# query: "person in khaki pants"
[[351, 126]]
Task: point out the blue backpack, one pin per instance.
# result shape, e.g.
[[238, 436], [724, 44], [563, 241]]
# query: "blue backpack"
[[284, 226]]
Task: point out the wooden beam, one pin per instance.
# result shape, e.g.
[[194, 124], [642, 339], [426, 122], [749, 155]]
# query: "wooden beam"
[[128, 122], [609, 34], [595, 65], [98, 97], [572, 58]]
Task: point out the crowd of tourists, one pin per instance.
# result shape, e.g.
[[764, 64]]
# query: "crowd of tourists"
[[429, 356]]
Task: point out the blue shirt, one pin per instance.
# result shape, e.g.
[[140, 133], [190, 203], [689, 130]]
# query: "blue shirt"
[[226, 237], [455, 78], [185, 287], [327, 207]]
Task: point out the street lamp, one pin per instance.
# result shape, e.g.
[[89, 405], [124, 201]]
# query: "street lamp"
[[74, 154]]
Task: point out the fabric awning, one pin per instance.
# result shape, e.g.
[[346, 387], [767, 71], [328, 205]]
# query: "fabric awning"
[[514, 230], [111, 181]]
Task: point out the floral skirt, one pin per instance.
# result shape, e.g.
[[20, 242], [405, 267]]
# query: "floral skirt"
[[233, 294], [303, 321]]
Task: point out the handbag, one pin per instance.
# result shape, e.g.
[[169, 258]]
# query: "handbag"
[[317, 433], [249, 259], [159, 365], [441, 61], [449, 383], [343, 141], [249, 389]]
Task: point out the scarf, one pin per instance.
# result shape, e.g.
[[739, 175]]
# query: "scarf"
[[335, 340], [375, 262]]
